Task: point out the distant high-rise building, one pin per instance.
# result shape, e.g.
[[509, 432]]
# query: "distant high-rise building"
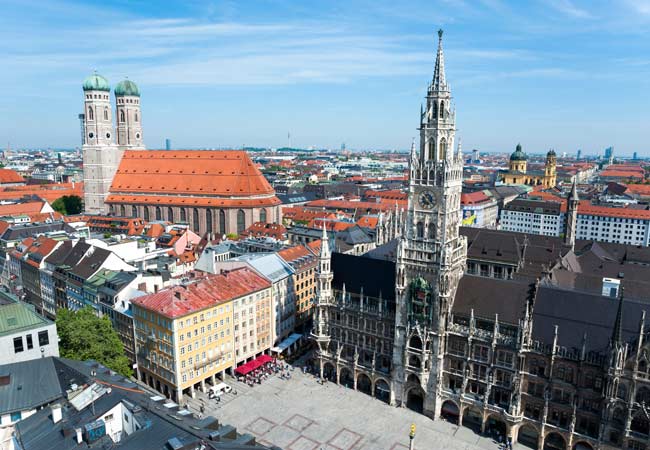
[[168, 144], [475, 156], [579, 154], [635, 156], [343, 147], [82, 126], [609, 154]]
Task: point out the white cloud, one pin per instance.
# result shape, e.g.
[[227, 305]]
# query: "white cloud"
[[568, 8]]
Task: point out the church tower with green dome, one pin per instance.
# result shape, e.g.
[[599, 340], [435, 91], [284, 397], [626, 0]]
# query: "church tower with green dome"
[[100, 154], [128, 116]]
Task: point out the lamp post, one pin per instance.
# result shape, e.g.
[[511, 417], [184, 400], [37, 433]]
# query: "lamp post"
[[412, 437]]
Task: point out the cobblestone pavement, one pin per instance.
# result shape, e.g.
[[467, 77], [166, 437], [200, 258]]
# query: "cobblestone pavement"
[[300, 414]]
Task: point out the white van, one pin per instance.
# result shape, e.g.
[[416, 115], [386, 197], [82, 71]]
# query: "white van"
[[216, 391]]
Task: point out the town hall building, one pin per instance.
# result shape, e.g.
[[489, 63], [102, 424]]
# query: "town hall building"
[[540, 339]]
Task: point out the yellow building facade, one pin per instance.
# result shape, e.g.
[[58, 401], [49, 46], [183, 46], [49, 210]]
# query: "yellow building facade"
[[518, 172], [185, 336]]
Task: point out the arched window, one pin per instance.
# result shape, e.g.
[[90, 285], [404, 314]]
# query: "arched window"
[[241, 221], [183, 215], [145, 214], [443, 148], [105, 113], [222, 222], [415, 342], [136, 117], [195, 219], [263, 215], [208, 220], [170, 214], [420, 230], [134, 211], [121, 115], [414, 361], [432, 231], [91, 114], [434, 110], [158, 213], [442, 109], [643, 395], [122, 211]]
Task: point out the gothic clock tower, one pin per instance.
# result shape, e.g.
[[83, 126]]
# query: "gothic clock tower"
[[431, 254]]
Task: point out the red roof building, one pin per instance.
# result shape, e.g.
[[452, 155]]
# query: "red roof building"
[[263, 229], [218, 192], [10, 177], [211, 290]]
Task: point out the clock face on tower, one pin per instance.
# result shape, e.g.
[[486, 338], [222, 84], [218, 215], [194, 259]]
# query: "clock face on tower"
[[427, 199]]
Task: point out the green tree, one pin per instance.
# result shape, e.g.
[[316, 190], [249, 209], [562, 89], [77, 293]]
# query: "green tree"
[[68, 205], [83, 336]]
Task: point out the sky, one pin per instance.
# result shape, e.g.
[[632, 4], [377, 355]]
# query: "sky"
[[562, 74]]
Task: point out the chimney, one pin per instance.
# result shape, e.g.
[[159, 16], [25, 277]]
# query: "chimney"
[[178, 295], [57, 413], [78, 435]]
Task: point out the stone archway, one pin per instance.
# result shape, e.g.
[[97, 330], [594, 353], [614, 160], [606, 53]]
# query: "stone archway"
[[496, 427], [554, 441], [450, 412], [472, 419], [528, 436], [329, 372], [415, 399], [382, 390], [364, 384], [346, 378], [582, 445]]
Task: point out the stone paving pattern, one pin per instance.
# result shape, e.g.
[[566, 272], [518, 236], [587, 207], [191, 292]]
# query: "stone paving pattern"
[[300, 414]]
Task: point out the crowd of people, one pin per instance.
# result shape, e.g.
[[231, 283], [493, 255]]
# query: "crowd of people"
[[265, 371]]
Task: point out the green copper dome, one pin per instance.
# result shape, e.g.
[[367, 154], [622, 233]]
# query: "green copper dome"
[[127, 87], [518, 154], [96, 82]]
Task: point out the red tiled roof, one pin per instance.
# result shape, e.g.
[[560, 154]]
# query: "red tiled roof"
[[179, 301], [640, 189], [368, 221], [48, 192], [293, 253], [300, 214], [203, 178], [330, 225], [473, 198], [259, 229], [393, 194], [314, 246], [347, 205], [585, 207], [10, 176], [21, 208]]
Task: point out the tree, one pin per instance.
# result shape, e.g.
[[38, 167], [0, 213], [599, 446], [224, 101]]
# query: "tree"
[[68, 205], [84, 336]]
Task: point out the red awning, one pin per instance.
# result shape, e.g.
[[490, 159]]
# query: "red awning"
[[252, 365]]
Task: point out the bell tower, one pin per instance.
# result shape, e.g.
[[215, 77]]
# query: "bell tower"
[[128, 115], [431, 253], [100, 154]]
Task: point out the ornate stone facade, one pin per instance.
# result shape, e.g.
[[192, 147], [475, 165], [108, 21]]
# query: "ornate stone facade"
[[526, 344]]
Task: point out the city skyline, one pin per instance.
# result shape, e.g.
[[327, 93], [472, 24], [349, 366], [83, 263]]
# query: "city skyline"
[[223, 75]]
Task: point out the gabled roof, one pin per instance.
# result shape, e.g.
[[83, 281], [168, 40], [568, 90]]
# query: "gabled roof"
[[202, 178], [10, 176], [209, 291]]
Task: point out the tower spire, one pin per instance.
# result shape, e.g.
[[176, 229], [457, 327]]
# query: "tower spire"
[[439, 82], [617, 333]]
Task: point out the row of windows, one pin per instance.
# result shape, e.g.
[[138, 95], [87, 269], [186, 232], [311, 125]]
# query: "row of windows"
[[19, 344]]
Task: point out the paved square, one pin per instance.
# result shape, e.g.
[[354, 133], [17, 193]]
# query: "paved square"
[[303, 443], [260, 426], [298, 422], [344, 439], [300, 414]]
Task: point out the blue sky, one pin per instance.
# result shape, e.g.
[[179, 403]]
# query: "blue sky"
[[566, 74]]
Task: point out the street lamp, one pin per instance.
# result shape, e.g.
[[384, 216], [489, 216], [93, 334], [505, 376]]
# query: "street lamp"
[[411, 437]]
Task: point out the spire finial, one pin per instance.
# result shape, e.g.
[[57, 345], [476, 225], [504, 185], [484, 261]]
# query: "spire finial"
[[439, 83], [617, 335], [440, 34]]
